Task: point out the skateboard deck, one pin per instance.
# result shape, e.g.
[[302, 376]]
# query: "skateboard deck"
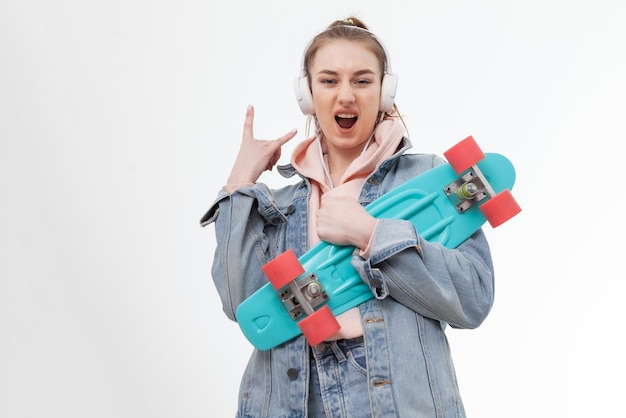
[[447, 204]]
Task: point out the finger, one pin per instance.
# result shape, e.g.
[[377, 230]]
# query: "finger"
[[274, 159], [279, 142], [285, 138], [248, 132]]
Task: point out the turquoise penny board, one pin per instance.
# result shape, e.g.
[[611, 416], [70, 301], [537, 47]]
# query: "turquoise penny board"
[[265, 321]]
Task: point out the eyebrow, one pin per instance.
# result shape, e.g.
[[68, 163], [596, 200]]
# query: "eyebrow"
[[356, 73]]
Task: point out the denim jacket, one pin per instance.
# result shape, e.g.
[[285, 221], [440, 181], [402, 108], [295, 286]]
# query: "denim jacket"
[[419, 287]]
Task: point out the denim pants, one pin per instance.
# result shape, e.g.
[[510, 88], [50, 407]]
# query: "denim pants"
[[338, 385]]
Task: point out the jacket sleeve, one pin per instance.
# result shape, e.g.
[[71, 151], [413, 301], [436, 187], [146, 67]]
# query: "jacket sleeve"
[[455, 286], [240, 220]]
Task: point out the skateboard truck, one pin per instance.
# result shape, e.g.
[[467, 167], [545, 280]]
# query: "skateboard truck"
[[303, 296], [468, 190]]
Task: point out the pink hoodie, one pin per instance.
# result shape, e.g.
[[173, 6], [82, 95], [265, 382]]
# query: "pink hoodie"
[[307, 159]]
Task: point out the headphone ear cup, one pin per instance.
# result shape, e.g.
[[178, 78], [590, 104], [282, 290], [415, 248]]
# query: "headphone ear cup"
[[388, 92], [303, 95]]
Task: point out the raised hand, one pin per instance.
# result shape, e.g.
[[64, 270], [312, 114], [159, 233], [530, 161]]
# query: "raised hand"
[[255, 155]]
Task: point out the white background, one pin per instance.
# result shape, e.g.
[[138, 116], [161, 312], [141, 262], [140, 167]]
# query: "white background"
[[118, 124]]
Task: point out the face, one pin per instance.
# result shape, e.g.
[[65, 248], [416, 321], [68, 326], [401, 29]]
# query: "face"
[[345, 84]]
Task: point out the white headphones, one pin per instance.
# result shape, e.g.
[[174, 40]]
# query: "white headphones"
[[387, 91]]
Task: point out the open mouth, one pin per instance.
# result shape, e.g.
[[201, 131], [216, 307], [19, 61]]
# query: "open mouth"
[[346, 120]]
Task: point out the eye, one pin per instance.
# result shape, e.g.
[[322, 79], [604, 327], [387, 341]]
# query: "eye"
[[328, 81], [363, 82]]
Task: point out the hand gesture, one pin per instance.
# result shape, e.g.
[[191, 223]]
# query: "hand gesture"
[[255, 155]]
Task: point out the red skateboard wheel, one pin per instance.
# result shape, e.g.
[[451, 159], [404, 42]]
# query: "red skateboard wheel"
[[319, 326], [283, 269], [500, 208], [464, 154]]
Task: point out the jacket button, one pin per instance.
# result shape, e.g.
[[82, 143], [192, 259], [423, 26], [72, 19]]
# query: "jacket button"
[[275, 221], [292, 374]]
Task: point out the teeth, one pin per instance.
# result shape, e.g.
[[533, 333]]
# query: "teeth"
[[346, 116]]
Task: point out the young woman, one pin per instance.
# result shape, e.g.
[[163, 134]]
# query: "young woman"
[[390, 357]]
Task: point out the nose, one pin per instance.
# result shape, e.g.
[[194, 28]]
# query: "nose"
[[346, 95]]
